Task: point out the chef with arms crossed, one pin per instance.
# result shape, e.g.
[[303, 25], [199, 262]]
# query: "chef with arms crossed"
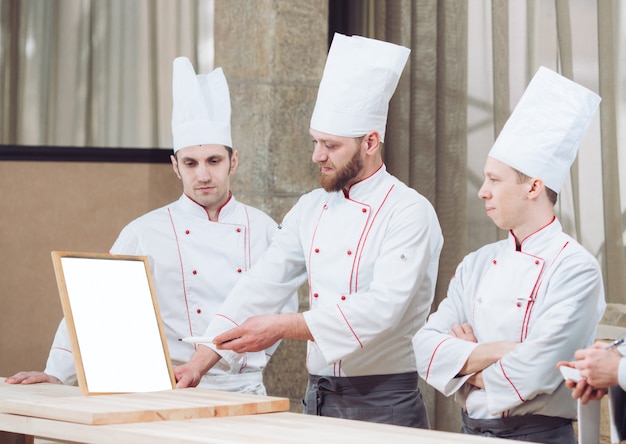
[[518, 306], [369, 246]]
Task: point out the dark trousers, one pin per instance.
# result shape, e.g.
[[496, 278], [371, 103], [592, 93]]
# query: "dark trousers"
[[618, 406], [532, 428], [388, 399]]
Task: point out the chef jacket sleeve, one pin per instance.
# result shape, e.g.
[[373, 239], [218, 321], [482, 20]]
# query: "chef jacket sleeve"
[[127, 242], [292, 303], [621, 373], [440, 356], [60, 362], [268, 286]]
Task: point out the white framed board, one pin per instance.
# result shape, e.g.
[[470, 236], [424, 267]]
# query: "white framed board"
[[113, 320]]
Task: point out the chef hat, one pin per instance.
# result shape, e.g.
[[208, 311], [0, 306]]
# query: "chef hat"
[[543, 134], [360, 76], [201, 111]]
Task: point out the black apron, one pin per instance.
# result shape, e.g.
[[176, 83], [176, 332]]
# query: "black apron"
[[388, 399]]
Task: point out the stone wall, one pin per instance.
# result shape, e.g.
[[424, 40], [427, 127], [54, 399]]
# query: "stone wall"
[[273, 54]]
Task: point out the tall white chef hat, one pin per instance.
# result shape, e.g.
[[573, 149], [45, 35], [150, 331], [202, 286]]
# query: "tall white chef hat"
[[542, 136], [360, 76], [201, 107]]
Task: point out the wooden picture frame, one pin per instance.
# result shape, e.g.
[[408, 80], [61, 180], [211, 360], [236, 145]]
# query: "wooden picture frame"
[[114, 324]]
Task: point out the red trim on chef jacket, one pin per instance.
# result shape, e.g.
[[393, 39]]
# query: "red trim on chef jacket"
[[62, 349], [510, 382], [360, 246], [364, 179], [219, 210], [227, 318], [230, 196], [533, 233], [244, 362], [432, 357], [531, 303], [349, 326], [182, 270]]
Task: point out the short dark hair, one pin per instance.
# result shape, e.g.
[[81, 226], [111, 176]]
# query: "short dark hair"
[[229, 149], [552, 195]]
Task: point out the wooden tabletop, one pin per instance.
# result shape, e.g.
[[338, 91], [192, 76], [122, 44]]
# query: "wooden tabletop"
[[282, 427], [276, 427], [65, 403]]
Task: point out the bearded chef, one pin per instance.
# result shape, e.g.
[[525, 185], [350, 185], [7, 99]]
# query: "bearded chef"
[[518, 306], [369, 246], [199, 246]]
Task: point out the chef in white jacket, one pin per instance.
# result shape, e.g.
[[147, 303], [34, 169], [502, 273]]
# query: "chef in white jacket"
[[518, 306], [369, 246], [199, 246]]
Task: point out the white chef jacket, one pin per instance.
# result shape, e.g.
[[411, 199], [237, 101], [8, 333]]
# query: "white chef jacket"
[[371, 259], [194, 263], [549, 297], [621, 370]]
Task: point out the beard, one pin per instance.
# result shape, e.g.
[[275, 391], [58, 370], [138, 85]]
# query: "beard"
[[342, 176]]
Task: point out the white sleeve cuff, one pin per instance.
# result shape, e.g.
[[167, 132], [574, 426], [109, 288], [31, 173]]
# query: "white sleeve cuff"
[[621, 373]]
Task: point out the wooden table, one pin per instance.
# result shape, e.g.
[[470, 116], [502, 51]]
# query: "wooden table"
[[276, 427]]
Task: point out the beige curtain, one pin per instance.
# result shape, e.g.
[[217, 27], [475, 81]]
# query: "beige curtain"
[[551, 34], [96, 72], [426, 139]]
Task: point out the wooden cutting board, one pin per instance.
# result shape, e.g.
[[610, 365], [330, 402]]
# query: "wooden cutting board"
[[65, 403]]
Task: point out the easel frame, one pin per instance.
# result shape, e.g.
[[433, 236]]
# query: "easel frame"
[[113, 321]]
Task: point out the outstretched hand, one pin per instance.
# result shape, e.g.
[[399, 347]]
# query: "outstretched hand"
[[33, 377], [255, 334]]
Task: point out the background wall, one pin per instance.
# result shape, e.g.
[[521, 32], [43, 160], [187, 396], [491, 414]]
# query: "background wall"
[[66, 206]]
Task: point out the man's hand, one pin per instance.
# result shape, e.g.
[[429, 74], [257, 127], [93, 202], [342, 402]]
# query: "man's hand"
[[260, 332], [599, 366], [581, 389], [483, 355], [190, 374], [463, 331], [31, 378]]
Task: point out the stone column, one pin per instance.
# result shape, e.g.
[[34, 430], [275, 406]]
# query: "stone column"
[[273, 54]]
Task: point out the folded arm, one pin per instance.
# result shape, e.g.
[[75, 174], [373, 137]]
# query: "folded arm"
[[482, 356]]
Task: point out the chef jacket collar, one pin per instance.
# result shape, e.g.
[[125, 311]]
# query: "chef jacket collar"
[[364, 188], [536, 243], [197, 210]]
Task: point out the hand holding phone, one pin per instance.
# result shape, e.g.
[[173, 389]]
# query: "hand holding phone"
[[570, 373]]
